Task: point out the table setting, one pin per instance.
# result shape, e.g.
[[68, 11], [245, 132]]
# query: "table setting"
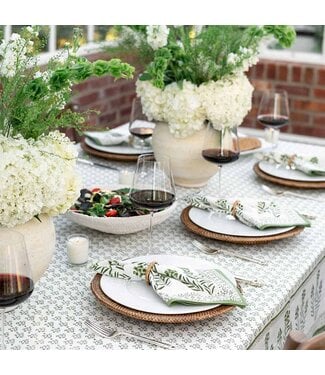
[[160, 234]]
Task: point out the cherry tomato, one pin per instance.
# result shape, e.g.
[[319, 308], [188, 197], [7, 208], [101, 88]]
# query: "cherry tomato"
[[111, 212]]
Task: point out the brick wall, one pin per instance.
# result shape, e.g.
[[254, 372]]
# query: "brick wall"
[[305, 84]]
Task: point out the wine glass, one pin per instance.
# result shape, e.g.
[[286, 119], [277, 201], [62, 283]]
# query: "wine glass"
[[16, 283], [221, 146], [153, 186], [139, 126], [273, 112]]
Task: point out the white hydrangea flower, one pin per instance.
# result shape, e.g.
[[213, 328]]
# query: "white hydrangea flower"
[[226, 102], [36, 177], [157, 36]]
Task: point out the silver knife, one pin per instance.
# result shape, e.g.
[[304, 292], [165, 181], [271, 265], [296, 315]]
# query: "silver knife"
[[84, 161]]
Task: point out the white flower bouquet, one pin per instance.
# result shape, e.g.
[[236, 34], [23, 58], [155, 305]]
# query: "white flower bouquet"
[[197, 74], [37, 163]]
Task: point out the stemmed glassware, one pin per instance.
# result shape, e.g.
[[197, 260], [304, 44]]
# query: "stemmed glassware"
[[221, 146], [16, 282], [273, 112], [153, 187], [139, 126]]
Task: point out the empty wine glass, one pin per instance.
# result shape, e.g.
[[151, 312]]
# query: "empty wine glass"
[[153, 187], [273, 112], [139, 126], [221, 146], [16, 283]]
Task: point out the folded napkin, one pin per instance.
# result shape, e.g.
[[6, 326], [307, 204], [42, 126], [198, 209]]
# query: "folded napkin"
[[110, 137], [308, 165], [252, 212], [177, 284]]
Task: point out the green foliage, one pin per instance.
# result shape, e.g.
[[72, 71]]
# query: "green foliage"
[[200, 56], [32, 101]]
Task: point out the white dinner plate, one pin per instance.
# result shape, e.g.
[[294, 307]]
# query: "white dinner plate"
[[264, 146], [123, 148], [288, 174], [222, 225], [139, 296]]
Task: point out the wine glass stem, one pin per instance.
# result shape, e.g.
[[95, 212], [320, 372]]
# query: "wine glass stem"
[[219, 182], [150, 232], [2, 331]]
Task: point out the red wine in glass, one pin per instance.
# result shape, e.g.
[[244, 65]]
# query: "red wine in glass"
[[16, 283], [152, 199], [141, 132], [271, 121], [14, 289], [216, 155]]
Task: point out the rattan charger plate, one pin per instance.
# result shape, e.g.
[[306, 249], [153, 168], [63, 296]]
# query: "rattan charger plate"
[[107, 155], [192, 227], [289, 183], [151, 317]]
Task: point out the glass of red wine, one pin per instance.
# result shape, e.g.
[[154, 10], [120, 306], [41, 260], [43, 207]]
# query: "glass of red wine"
[[140, 127], [16, 283], [273, 112], [153, 187], [221, 146]]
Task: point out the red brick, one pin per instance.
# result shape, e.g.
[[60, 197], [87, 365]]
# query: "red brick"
[[321, 77], [282, 73], [261, 85], [88, 98], [111, 91], [271, 71], [309, 106], [301, 129], [299, 116], [126, 111], [101, 82], [319, 93], [318, 132], [296, 74], [259, 70], [309, 75], [80, 87], [127, 87], [319, 120], [107, 118], [294, 90]]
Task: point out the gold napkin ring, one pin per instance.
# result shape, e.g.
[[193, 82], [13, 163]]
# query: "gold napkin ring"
[[234, 208], [291, 160], [148, 270]]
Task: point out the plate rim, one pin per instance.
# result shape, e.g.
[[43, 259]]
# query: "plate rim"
[[285, 229], [285, 182], [202, 307], [287, 178], [192, 227]]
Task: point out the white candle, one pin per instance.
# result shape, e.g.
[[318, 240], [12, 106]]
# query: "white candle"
[[78, 248], [125, 178]]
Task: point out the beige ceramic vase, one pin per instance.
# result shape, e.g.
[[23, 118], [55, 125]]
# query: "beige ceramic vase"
[[188, 166], [40, 243]]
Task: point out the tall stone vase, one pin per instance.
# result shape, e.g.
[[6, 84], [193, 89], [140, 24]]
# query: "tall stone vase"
[[188, 166], [40, 243]]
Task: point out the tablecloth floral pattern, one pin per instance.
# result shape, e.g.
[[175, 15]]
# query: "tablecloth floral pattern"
[[53, 317]]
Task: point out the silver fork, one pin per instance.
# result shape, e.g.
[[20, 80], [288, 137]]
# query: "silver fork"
[[209, 250], [284, 192], [104, 332]]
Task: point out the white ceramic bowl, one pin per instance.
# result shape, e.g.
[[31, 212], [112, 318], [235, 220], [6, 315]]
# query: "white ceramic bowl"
[[121, 225]]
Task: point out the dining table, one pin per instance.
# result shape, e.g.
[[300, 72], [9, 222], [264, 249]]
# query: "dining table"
[[293, 278]]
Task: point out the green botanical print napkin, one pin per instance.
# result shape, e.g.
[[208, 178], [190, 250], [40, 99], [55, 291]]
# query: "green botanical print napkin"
[[252, 212], [308, 165], [178, 284], [107, 138]]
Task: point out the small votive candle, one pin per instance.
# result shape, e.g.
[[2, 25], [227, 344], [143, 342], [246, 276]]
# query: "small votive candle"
[[272, 135], [125, 177], [78, 248]]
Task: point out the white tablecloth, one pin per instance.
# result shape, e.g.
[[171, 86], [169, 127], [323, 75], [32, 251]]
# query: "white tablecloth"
[[53, 317]]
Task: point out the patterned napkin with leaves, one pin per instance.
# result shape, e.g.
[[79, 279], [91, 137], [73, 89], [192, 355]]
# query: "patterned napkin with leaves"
[[177, 284], [252, 212], [308, 165]]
